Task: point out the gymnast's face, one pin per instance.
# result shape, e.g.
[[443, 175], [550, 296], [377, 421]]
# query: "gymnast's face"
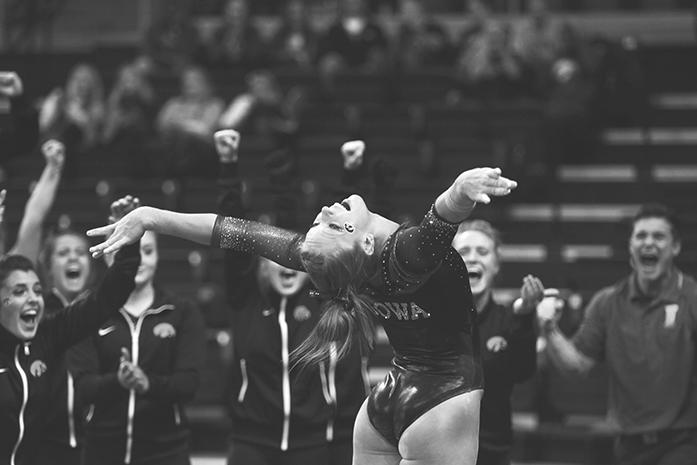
[[341, 226], [479, 253], [22, 304]]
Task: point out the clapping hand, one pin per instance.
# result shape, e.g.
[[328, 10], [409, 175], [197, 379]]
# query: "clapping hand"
[[130, 375], [531, 293]]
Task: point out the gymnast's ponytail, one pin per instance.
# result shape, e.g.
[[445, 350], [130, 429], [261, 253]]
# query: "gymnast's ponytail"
[[346, 318]]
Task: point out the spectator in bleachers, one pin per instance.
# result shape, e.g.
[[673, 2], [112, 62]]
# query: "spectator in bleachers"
[[237, 41], [643, 328], [567, 124], [421, 40], [186, 123], [32, 345], [486, 66], [507, 337], [281, 415], [621, 89], [265, 109], [354, 42], [478, 18], [295, 43], [170, 40], [138, 371], [75, 113], [535, 41], [19, 125], [129, 115]]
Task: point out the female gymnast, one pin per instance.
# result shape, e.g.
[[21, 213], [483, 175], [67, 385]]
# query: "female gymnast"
[[426, 411]]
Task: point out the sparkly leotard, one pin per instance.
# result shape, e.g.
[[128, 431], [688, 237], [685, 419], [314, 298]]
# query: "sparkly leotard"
[[424, 303]]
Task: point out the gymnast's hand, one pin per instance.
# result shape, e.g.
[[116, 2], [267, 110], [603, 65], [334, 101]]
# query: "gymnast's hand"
[[479, 184], [124, 231]]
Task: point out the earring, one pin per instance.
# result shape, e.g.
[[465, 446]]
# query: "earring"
[[349, 227]]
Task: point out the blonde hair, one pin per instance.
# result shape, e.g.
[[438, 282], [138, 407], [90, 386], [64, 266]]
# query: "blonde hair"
[[485, 228], [346, 319]]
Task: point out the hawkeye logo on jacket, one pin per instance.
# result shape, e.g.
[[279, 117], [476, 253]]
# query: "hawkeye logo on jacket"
[[301, 313], [164, 330], [496, 344], [37, 368], [267, 312]]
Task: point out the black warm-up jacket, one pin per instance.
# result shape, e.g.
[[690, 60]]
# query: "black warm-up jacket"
[[27, 367]]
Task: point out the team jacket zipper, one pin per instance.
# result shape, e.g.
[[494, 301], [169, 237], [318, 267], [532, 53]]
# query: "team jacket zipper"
[[25, 399], [286, 375], [328, 378], [135, 352], [245, 380], [70, 401]]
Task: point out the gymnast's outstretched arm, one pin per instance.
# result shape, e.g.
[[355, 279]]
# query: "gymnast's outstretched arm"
[[419, 250], [252, 237]]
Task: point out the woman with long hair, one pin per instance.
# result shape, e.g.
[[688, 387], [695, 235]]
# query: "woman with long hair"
[[426, 410], [136, 373], [280, 415]]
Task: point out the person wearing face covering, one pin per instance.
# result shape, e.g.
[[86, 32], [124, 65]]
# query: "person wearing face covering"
[[281, 414], [507, 337]]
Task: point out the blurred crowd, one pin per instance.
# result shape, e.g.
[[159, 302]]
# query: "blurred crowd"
[[581, 83]]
